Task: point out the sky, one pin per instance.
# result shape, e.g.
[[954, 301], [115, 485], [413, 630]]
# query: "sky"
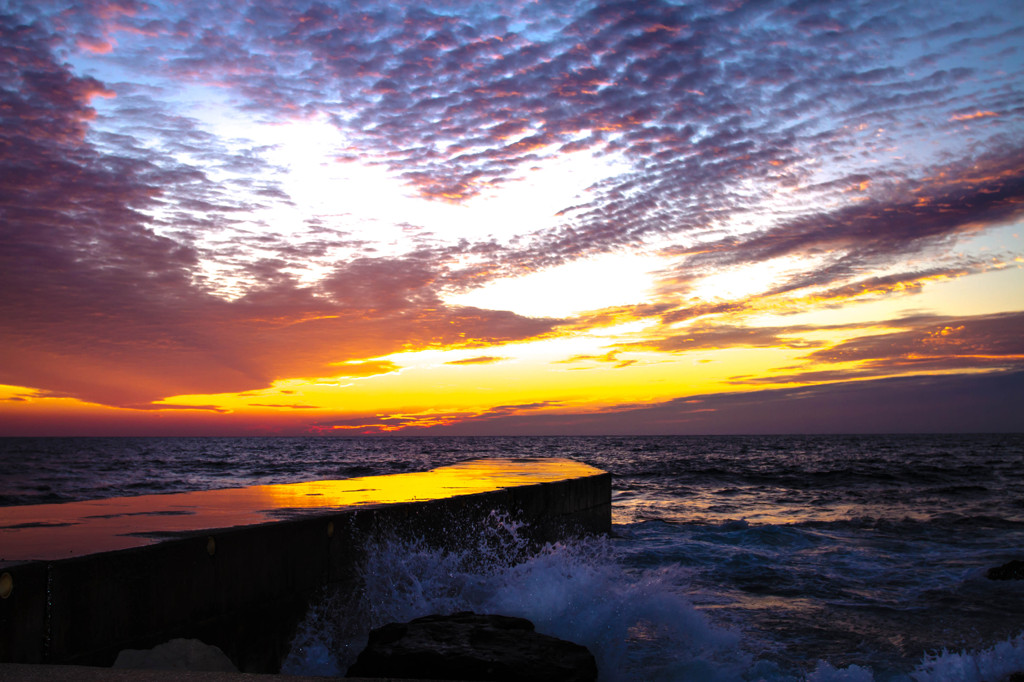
[[511, 217]]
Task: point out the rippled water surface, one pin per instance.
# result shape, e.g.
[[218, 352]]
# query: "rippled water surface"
[[777, 558]]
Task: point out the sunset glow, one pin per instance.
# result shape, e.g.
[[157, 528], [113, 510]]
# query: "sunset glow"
[[57, 531], [430, 218]]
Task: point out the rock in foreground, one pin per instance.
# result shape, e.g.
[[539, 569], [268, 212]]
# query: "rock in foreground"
[[469, 646], [1014, 570], [177, 654]]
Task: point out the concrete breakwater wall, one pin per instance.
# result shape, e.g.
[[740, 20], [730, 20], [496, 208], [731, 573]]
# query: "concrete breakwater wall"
[[238, 568]]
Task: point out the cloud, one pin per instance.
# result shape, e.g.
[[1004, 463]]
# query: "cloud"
[[935, 343], [478, 360], [429, 420], [986, 403], [972, 116], [609, 357], [141, 261], [178, 407], [502, 410], [365, 369], [700, 100], [102, 307], [380, 424], [715, 335], [927, 344], [460, 99], [133, 345], [983, 189]]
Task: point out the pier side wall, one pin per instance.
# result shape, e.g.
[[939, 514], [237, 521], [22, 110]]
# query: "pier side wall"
[[245, 589]]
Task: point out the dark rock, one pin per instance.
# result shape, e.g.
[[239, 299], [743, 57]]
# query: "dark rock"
[[177, 654], [1013, 570], [468, 646]]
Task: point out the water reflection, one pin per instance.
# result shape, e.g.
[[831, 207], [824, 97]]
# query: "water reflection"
[[55, 531]]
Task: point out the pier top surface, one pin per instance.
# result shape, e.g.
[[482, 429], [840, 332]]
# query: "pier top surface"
[[60, 531]]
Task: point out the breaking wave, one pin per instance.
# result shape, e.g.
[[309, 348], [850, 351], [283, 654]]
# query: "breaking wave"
[[638, 622]]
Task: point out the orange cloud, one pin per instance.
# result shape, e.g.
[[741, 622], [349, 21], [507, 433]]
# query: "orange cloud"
[[95, 44], [479, 360], [970, 117], [365, 369]]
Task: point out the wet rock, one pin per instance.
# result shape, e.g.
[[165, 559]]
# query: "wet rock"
[[1013, 570], [177, 654], [469, 646]]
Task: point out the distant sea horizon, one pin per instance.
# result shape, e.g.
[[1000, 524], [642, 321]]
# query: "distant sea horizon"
[[819, 557]]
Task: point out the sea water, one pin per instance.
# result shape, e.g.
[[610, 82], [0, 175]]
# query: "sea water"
[[816, 558]]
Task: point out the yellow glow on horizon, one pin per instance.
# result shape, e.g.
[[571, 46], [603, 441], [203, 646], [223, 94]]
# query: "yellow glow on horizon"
[[545, 378], [586, 370]]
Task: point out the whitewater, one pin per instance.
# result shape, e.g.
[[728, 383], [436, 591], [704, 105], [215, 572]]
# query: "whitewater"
[[778, 558]]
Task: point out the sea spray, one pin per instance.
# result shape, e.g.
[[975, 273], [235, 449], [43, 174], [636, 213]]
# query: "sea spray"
[[637, 624], [324, 640], [993, 664], [863, 551], [825, 672]]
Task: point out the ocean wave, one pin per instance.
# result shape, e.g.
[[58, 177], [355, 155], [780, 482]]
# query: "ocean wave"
[[641, 623], [993, 664], [864, 552], [638, 624]]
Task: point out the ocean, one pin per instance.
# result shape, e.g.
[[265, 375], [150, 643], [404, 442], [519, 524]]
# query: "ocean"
[[778, 558]]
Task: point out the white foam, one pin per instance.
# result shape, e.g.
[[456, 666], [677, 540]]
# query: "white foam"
[[825, 672], [993, 664], [639, 624], [988, 665]]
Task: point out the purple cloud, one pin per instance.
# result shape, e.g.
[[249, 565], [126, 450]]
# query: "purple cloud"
[[987, 403], [853, 133]]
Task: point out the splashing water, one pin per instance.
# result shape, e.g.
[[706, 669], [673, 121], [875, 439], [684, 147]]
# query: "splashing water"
[[995, 663], [638, 623], [776, 558], [576, 590]]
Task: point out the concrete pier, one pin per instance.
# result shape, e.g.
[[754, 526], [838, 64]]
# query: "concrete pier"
[[238, 568]]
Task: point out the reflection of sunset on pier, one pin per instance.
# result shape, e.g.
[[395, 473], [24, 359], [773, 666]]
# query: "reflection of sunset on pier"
[[61, 531], [438, 218]]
